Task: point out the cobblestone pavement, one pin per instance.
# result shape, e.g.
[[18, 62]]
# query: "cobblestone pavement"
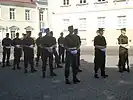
[[15, 85]]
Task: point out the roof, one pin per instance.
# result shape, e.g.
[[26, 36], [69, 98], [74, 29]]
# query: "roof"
[[21, 3]]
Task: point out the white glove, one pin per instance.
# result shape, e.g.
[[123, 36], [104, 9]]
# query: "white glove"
[[103, 50], [18, 46], [74, 52], [31, 46]]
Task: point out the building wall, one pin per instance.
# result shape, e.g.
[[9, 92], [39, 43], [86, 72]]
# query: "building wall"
[[91, 11], [19, 21]]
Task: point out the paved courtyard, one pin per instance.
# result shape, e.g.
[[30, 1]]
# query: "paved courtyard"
[[15, 85]]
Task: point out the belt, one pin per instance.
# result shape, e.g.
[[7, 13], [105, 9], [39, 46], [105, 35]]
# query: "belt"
[[18, 46], [7, 46], [72, 48]]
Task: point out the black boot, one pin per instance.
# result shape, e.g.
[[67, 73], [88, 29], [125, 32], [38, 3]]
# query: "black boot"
[[52, 74], [104, 76], [25, 71], [8, 64], [76, 80], [67, 81], [96, 75], [33, 70], [3, 65], [43, 74], [79, 70], [59, 66], [14, 68]]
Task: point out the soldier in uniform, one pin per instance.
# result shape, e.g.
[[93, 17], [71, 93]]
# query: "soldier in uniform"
[[61, 48], [78, 54], [17, 43], [71, 44], [100, 54], [6, 43], [28, 48], [123, 50], [47, 43], [38, 43], [57, 60]]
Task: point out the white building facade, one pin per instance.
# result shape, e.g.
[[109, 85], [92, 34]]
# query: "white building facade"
[[89, 15], [18, 16], [42, 6]]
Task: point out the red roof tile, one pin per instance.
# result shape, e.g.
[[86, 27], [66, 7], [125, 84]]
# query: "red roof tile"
[[27, 3]]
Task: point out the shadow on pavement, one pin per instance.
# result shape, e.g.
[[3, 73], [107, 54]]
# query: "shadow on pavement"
[[15, 85]]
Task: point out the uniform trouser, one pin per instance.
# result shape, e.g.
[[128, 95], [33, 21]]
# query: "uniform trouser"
[[71, 60], [17, 56], [78, 58], [57, 60], [61, 53], [28, 57], [44, 56], [123, 58], [38, 54], [99, 62], [6, 52]]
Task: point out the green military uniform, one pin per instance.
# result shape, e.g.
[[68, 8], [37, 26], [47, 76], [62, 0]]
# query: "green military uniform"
[[123, 52], [47, 44], [100, 54], [71, 44]]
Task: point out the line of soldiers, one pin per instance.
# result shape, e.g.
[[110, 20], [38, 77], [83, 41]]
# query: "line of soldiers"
[[68, 46], [100, 52]]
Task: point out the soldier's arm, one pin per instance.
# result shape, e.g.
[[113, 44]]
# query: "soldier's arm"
[[3, 42]]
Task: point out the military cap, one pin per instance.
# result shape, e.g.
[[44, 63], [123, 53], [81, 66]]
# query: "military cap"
[[123, 29], [17, 33], [75, 29], [47, 29], [7, 33], [100, 29], [70, 26]]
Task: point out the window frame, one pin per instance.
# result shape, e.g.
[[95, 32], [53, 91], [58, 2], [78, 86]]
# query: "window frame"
[[12, 13], [27, 15], [83, 24], [101, 22], [121, 21]]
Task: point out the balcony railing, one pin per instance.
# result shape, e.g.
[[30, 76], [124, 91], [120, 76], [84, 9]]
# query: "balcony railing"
[[44, 2], [120, 0]]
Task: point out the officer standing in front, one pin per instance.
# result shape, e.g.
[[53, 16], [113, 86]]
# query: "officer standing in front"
[[71, 44], [6, 43], [28, 48], [100, 53], [78, 54], [38, 43], [17, 43], [47, 44], [123, 50], [61, 48]]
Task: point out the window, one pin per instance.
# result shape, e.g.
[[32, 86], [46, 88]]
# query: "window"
[[65, 24], [65, 2], [27, 14], [101, 22], [12, 13], [82, 1], [82, 24], [101, 0], [41, 15], [121, 21]]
